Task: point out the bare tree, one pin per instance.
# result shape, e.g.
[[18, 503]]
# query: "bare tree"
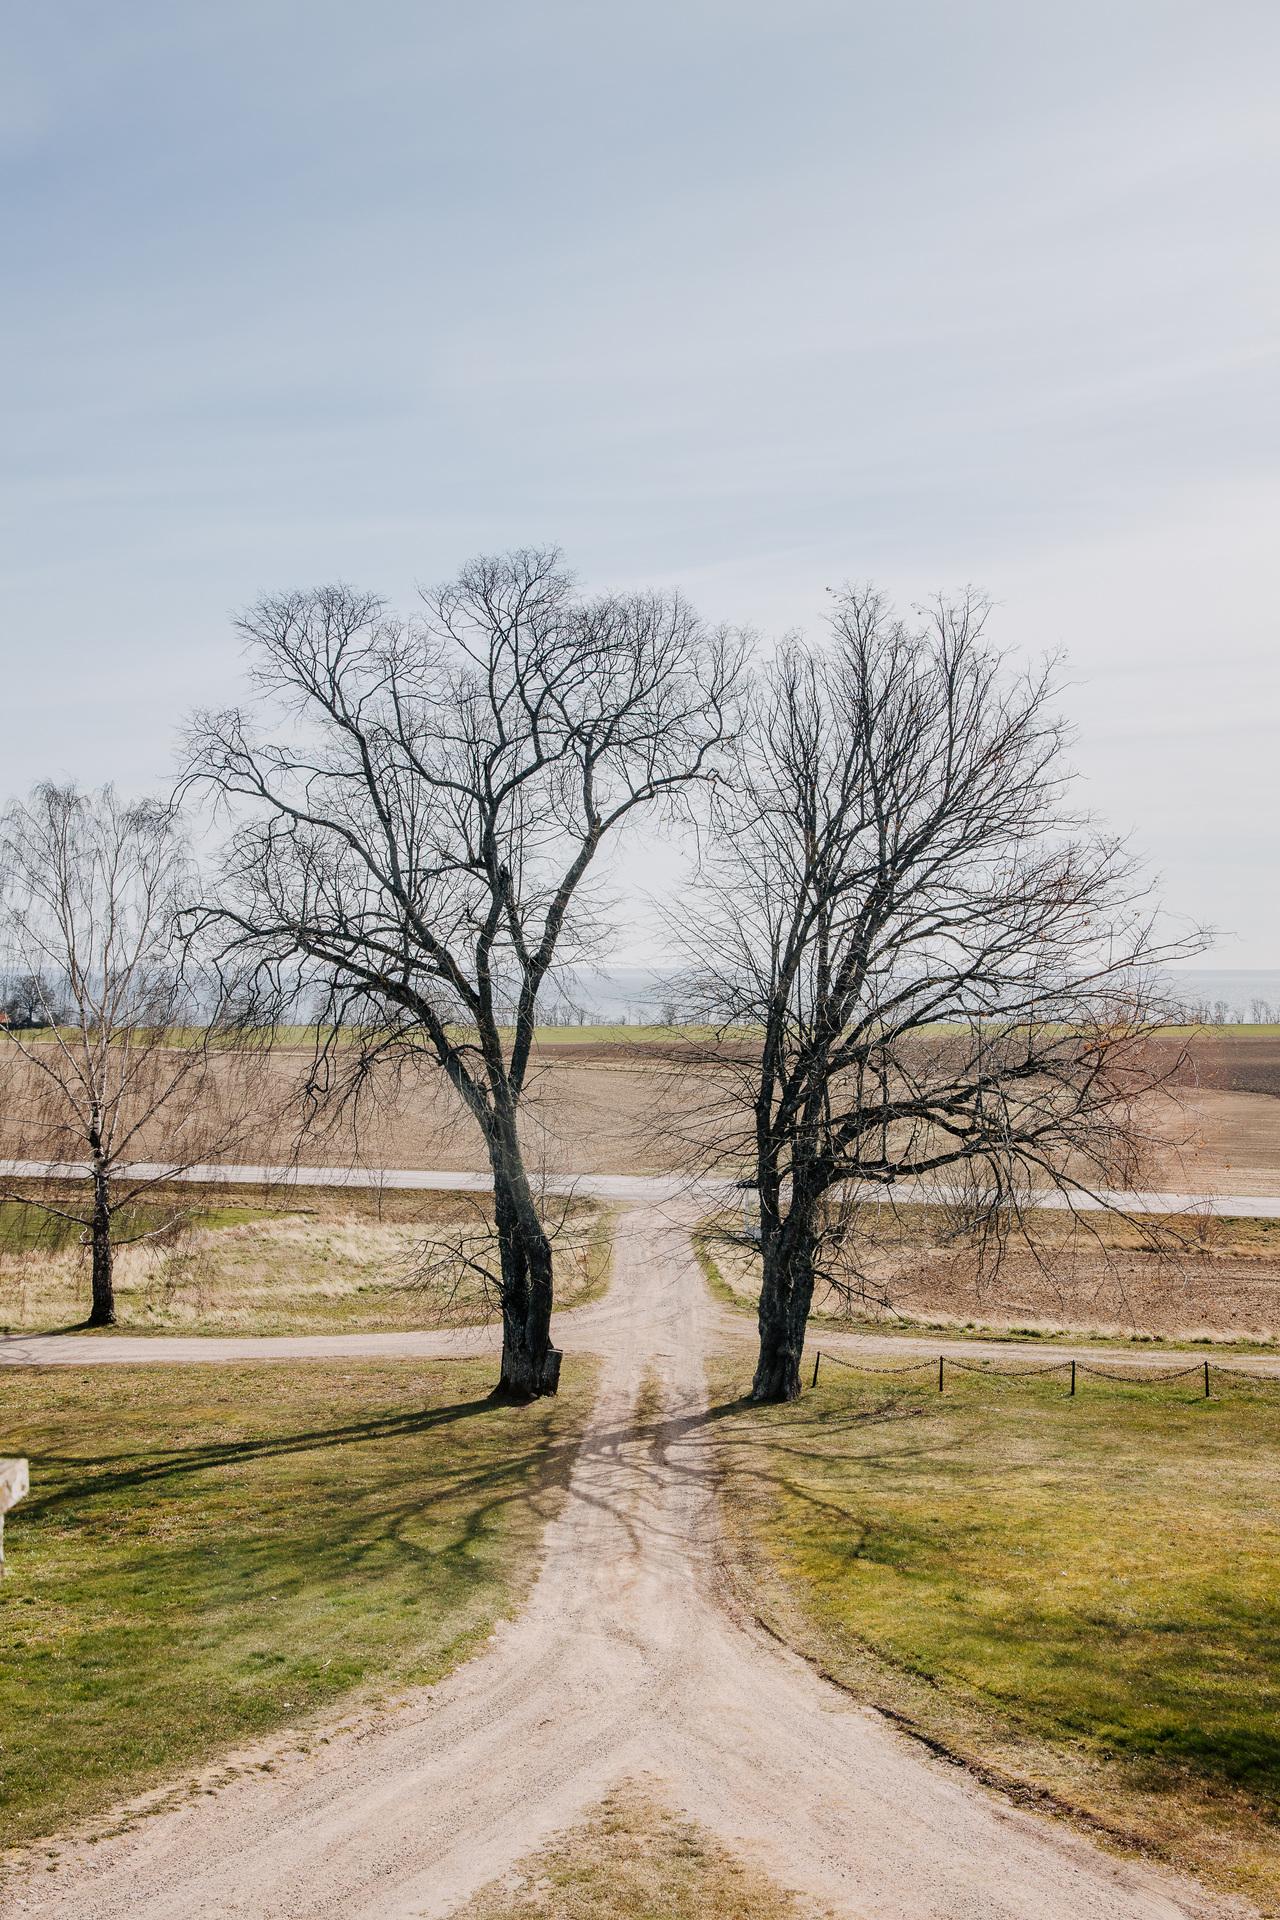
[[922, 966], [30, 1001], [421, 838], [120, 1047]]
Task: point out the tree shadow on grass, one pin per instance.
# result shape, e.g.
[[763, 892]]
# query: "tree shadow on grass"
[[811, 1469], [362, 1501], [91, 1479]]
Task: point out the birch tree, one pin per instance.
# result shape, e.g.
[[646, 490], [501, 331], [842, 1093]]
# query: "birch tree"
[[118, 1074]]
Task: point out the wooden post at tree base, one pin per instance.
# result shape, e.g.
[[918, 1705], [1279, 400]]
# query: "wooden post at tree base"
[[817, 1362], [15, 1481]]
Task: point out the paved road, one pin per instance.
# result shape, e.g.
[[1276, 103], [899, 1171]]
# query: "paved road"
[[638, 1189], [583, 1328]]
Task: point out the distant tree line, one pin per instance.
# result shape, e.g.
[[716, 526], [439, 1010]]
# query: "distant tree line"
[[1217, 1013]]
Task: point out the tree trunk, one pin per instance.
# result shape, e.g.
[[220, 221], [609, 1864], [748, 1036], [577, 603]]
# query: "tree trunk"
[[786, 1292], [530, 1364], [102, 1312]]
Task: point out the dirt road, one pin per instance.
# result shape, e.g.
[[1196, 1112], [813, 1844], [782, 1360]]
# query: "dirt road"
[[581, 1330], [626, 1661]]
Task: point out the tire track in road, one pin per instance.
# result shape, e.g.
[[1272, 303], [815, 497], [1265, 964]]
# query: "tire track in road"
[[626, 1660]]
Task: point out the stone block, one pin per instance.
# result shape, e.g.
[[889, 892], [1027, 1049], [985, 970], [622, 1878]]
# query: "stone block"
[[15, 1481]]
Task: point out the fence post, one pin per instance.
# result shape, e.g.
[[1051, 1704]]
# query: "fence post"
[[1073, 1376], [1206, 1379], [817, 1362], [939, 1373]]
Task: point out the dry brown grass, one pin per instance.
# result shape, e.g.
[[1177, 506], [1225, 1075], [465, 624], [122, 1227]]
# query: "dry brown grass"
[[634, 1859], [329, 1261], [1214, 1279]]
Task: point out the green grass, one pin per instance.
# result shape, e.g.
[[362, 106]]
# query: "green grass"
[[1081, 1594], [208, 1554], [298, 1037], [1230, 1029], [29, 1229], [295, 1038]]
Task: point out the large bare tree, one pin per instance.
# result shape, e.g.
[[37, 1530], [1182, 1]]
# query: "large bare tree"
[[117, 1059], [920, 965], [419, 807]]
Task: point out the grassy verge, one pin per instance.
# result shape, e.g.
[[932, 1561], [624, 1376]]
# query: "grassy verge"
[[323, 1261], [634, 1859], [710, 1247], [1079, 1596], [208, 1554]]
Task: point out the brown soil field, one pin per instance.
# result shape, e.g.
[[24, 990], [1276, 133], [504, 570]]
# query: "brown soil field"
[[582, 1115], [614, 1107], [1229, 1062]]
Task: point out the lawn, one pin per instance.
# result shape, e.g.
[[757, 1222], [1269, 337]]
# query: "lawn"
[[330, 1260], [208, 1554], [1079, 1595]]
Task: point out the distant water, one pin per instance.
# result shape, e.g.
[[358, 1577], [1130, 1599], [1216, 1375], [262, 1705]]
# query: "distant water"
[[636, 994]]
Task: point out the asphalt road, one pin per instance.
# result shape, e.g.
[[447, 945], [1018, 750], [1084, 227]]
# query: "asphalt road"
[[638, 1189]]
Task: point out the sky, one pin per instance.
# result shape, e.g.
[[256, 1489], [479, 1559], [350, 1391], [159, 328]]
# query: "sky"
[[748, 298]]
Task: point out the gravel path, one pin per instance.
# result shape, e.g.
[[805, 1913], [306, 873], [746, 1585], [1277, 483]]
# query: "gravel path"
[[591, 1329], [627, 1660]]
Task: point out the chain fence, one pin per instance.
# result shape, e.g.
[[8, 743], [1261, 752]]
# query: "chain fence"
[[1072, 1370]]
